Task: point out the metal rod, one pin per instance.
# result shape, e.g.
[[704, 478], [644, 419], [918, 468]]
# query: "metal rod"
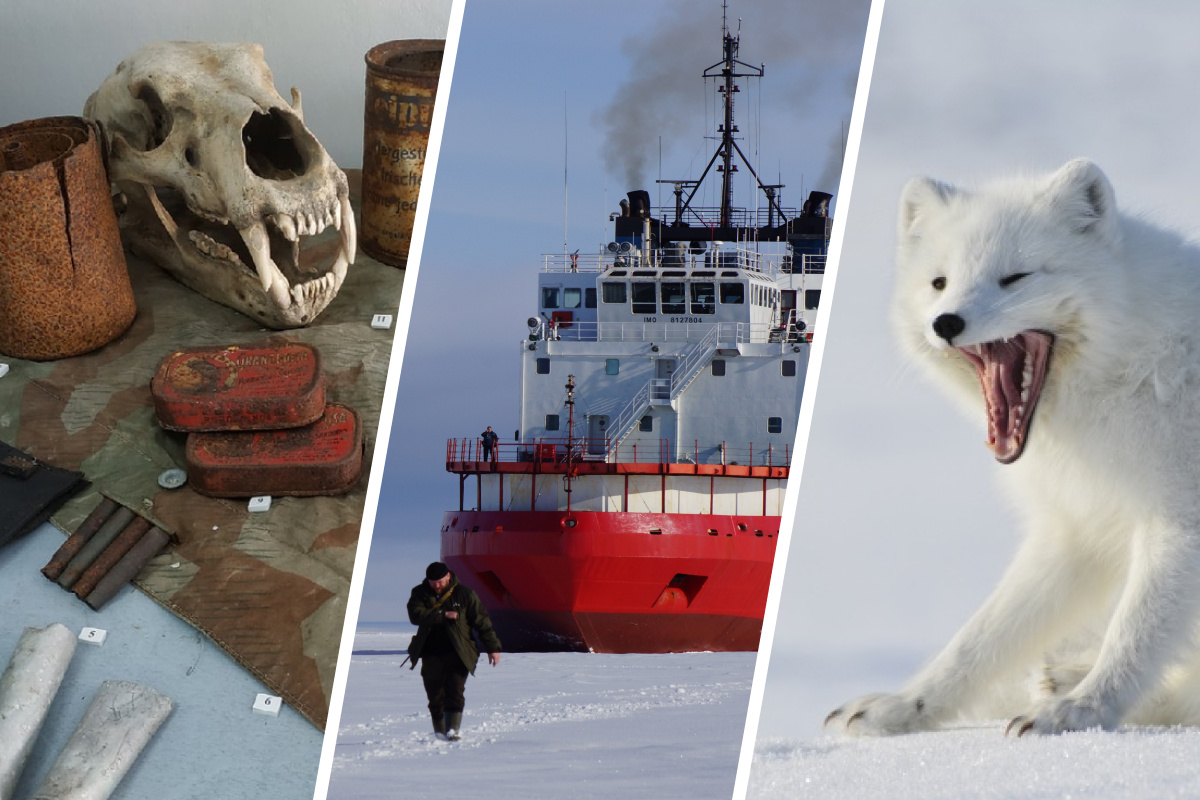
[[27, 688], [116, 727]]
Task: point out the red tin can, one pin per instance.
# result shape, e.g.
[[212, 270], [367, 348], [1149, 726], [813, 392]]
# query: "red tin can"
[[264, 386], [324, 458]]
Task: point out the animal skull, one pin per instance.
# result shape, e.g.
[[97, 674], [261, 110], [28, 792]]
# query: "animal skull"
[[222, 178]]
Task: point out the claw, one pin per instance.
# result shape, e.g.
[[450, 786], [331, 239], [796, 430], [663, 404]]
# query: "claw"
[[837, 712], [1023, 726], [857, 715]]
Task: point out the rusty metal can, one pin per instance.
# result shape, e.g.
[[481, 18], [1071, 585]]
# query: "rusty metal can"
[[324, 458], [256, 387], [402, 78], [64, 285]]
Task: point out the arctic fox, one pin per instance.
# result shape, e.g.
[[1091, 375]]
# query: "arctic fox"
[[1079, 329]]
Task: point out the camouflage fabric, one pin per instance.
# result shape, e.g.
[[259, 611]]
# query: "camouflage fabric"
[[269, 588]]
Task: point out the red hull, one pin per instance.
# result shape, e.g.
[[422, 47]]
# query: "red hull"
[[616, 582]]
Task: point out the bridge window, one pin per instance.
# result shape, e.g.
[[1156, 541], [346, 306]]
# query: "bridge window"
[[552, 422], [644, 301], [646, 424], [572, 298], [549, 297], [811, 298], [733, 293], [612, 366], [613, 291], [789, 368], [704, 298], [774, 424], [543, 366], [589, 297], [718, 367], [673, 301]]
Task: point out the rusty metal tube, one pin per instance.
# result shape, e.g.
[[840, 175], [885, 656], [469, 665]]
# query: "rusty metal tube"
[[86, 530], [110, 556], [27, 688], [150, 545], [116, 727], [402, 79], [64, 286], [94, 546]]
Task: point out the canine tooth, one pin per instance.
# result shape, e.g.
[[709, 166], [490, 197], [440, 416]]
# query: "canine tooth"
[[269, 276], [349, 232], [337, 273], [287, 226]]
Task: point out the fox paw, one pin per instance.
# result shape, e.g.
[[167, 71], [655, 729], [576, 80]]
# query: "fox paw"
[[880, 715], [1060, 715], [1058, 680]]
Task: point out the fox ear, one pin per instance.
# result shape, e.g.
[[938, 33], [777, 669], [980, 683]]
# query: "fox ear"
[[917, 197], [1081, 193]]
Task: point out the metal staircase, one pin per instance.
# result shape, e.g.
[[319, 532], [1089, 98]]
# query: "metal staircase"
[[662, 391]]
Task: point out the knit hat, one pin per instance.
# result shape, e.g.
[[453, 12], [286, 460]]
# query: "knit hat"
[[436, 571]]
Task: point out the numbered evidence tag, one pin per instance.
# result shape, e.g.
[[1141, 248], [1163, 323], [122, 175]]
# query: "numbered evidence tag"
[[93, 636], [259, 504], [381, 322], [268, 704]]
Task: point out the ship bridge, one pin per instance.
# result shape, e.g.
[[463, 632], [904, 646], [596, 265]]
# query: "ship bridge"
[[607, 295]]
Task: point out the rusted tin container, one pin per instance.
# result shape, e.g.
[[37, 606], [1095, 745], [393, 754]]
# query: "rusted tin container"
[[256, 387], [64, 285], [402, 80], [320, 459]]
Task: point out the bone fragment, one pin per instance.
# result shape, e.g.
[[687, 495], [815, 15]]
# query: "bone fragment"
[[120, 721], [27, 688]]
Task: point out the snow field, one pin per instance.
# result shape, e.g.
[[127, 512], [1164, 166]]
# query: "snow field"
[[550, 725]]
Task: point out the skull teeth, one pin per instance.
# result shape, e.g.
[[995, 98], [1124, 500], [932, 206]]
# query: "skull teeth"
[[210, 247]]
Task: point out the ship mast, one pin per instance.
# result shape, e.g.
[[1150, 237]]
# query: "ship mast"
[[570, 473], [725, 71]]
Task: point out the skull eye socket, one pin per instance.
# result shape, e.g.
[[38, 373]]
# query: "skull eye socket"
[[270, 143], [160, 118]]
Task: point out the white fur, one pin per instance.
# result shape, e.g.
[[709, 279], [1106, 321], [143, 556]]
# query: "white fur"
[[1109, 483]]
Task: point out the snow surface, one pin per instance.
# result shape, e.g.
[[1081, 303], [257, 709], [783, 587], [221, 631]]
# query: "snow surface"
[[968, 761], [546, 725]]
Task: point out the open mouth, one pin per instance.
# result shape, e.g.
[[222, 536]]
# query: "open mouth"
[[1011, 373], [269, 248]]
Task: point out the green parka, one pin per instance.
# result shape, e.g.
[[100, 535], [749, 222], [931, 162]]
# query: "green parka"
[[427, 609]]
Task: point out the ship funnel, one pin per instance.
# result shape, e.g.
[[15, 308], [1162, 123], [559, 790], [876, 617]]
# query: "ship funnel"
[[639, 203], [817, 204]]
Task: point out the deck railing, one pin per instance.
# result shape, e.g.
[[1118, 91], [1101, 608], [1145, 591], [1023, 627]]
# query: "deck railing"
[[744, 257], [728, 333], [638, 451]]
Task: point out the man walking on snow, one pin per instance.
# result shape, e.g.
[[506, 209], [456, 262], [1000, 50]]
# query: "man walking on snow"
[[446, 613]]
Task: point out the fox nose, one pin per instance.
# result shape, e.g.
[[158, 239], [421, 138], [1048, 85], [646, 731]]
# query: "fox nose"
[[948, 326]]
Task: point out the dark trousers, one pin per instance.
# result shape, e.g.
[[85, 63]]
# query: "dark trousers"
[[445, 679]]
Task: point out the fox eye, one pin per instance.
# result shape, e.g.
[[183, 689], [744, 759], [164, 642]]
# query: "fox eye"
[[939, 283], [1009, 280]]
